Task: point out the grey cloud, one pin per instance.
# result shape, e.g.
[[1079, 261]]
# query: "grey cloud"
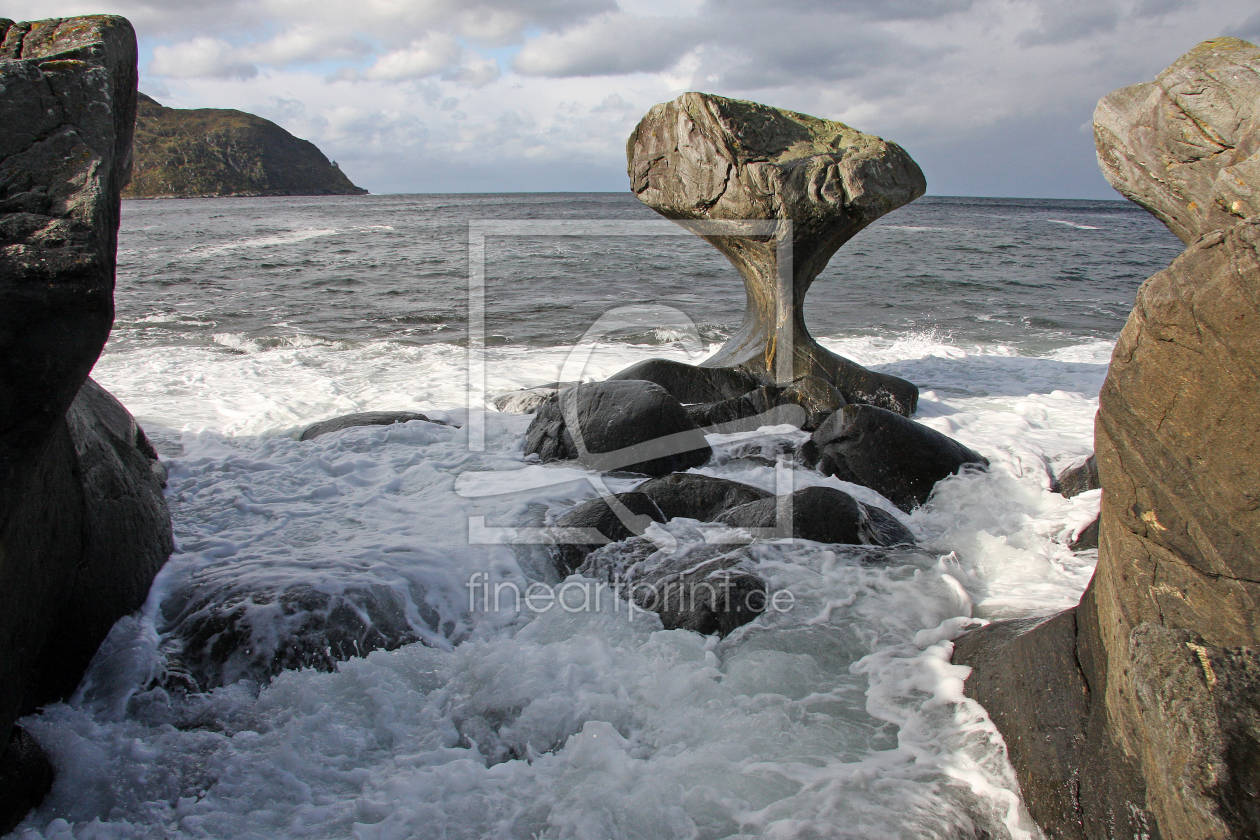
[[609, 45], [870, 10], [1064, 22], [1248, 30]]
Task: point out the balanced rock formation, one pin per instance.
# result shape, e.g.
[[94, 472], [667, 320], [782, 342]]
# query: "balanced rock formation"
[[707, 159], [180, 153], [83, 522], [1138, 712]]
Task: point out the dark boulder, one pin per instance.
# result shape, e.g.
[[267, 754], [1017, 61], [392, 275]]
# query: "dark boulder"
[[893, 455], [707, 589], [694, 496], [821, 514], [83, 526], [805, 403], [688, 383], [599, 522], [26, 776], [366, 418], [1087, 537], [1077, 479], [631, 426]]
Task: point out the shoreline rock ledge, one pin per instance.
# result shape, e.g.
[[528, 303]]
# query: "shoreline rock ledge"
[[1137, 713], [707, 159], [84, 525]]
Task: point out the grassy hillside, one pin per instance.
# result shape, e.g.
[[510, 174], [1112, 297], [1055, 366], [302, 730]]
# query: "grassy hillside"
[[217, 152]]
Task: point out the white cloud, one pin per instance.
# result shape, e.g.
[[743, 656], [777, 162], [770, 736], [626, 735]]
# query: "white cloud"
[[540, 94], [201, 58], [425, 56]]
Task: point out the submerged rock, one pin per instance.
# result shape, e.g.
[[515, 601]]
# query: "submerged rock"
[[366, 418], [1158, 669], [630, 426], [224, 626], [711, 589], [705, 158], [893, 455]]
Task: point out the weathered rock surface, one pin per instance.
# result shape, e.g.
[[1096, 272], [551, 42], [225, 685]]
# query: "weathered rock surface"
[[822, 514], [705, 158], [1187, 145], [689, 384], [709, 589], [1167, 637], [67, 570], [893, 455], [628, 425], [365, 418], [181, 153]]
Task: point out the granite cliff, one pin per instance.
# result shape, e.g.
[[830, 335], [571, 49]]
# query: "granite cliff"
[[1137, 713], [181, 153], [84, 525]]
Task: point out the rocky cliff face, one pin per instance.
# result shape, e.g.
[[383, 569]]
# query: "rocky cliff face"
[[221, 152], [1150, 689], [83, 522]]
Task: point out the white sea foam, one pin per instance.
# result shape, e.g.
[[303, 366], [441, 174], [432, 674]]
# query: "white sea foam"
[[286, 238], [1076, 225], [840, 717]]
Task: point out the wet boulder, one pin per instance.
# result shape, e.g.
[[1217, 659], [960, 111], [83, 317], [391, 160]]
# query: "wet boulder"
[[365, 418], [690, 384], [526, 400], [701, 497], [629, 426], [235, 622], [598, 522], [805, 403], [1077, 479], [893, 455], [706, 589], [821, 514], [26, 776]]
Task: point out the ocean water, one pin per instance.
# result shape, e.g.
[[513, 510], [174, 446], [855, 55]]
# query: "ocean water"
[[240, 321]]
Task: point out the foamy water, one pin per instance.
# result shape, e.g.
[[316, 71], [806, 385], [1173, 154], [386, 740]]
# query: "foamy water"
[[838, 716]]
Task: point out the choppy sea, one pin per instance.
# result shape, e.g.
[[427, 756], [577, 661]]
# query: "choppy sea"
[[240, 321]]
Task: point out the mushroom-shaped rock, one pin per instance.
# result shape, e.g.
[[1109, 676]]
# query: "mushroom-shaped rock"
[[813, 183], [1187, 145]]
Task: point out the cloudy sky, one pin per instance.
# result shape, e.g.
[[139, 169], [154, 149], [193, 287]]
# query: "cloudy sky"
[[991, 97]]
